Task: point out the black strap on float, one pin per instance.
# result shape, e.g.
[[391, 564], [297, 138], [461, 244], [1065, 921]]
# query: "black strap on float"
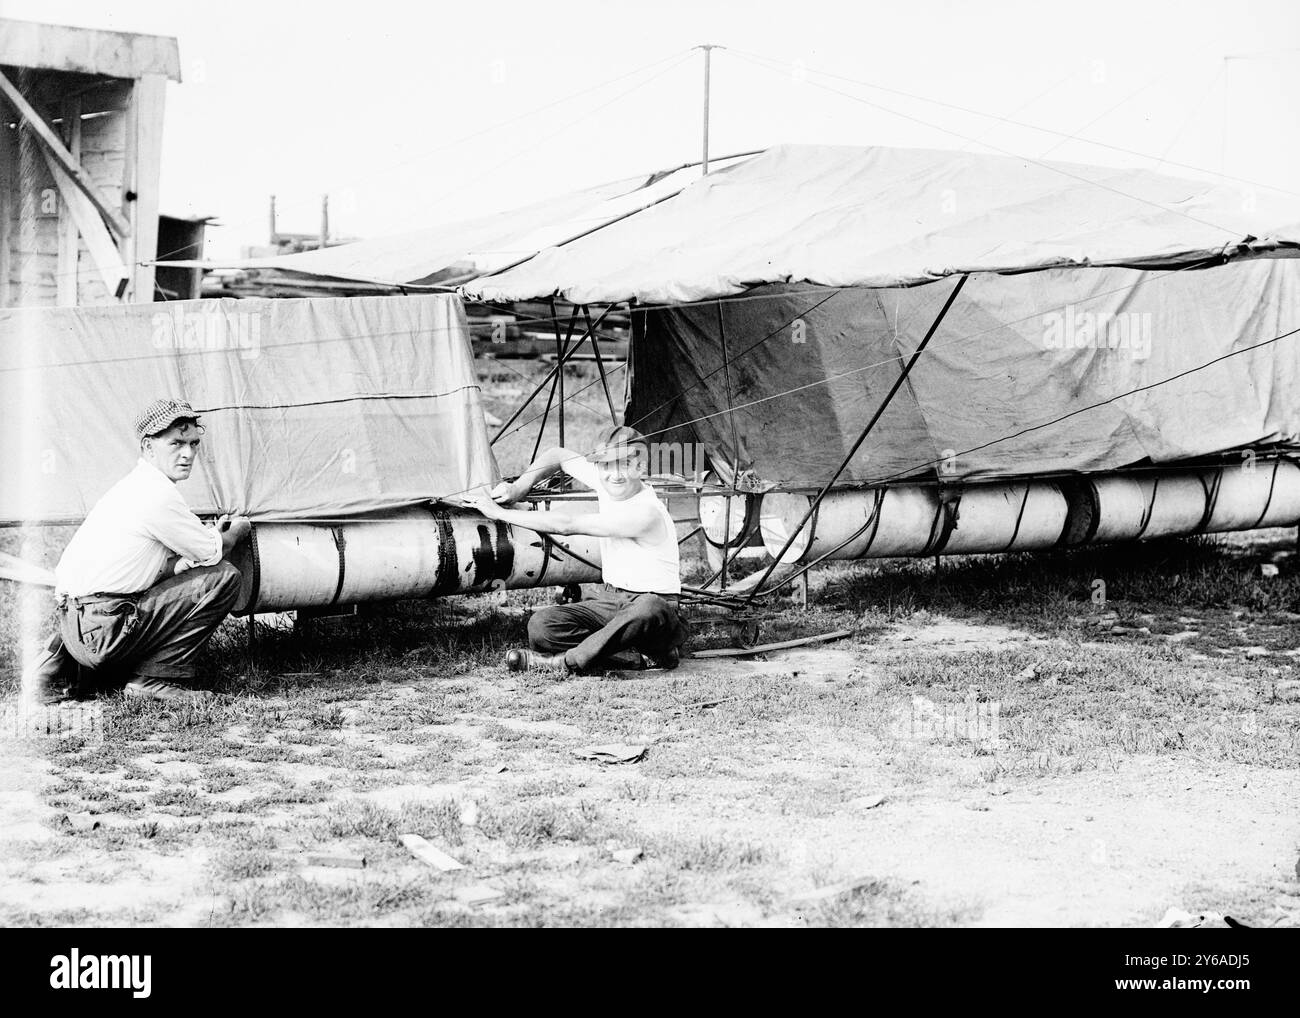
[[941, 527], [946, 518], [884, 404], [1019, 516], [340, 543], [1150, 509], [255, 582], [1272, 483], [873, 520], [1211, 499]]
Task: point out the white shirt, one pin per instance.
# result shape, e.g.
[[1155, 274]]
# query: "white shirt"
[[646, 563], [125, 542]]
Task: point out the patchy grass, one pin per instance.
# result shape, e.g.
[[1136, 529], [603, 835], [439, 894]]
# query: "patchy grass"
[[335, 743]]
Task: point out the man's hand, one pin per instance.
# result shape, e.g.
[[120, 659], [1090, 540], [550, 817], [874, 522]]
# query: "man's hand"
[[507, 492], [232, 529], [483, 503]]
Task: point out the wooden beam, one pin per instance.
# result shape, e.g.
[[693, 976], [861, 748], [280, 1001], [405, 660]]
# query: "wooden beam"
[[62, 156], [99, 242], [87, 50], [8, 161], [839, 634], [66, 274], [143, 170]]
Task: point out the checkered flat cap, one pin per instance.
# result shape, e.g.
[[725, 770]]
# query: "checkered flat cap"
[[161, 414]]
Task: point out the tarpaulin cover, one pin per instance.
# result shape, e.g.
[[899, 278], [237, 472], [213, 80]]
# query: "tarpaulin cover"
[[488, 242], [1059, 370], [850, 216], [313, 408]]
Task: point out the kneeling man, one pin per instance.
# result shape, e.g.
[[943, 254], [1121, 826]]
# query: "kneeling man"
[[633, 622], [142, 584]]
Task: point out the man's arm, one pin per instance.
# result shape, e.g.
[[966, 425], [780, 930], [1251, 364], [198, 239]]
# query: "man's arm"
[[639, 524], [541, 468], [191, 543], [173, 524]]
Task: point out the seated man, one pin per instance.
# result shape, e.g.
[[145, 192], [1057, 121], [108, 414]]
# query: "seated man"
[[142, 584], [633, 622]]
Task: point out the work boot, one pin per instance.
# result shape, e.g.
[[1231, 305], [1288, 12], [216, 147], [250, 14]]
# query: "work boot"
[[524, 660], [160, 689], [48, 690], [51, 677]]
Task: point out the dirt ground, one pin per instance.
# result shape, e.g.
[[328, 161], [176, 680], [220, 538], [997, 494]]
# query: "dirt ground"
[[992, 745], [828, 785]]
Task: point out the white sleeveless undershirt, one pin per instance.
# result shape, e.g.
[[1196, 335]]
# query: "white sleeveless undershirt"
[[648, 563]]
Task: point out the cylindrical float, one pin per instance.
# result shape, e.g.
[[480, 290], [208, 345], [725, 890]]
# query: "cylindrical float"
[[1127, 507], [411, 554], [1007, 517], [913, 520]]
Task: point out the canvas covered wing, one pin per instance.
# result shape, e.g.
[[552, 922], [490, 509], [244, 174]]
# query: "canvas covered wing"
[[313, 408], [850, 216], [1060, 370]]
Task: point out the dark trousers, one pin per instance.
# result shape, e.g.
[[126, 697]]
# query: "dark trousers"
[[592, 633], [157, 633]]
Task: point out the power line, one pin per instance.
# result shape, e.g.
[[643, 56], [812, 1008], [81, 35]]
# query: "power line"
[[1014, 123], [1053, 168]]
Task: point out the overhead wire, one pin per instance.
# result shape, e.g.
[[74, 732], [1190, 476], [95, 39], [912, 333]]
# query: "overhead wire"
[[1050, 167], [1007, 120]]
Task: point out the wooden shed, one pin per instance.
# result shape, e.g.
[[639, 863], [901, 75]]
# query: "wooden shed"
[[81, 122]]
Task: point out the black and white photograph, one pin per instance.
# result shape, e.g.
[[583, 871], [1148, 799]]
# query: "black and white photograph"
[[623, 465]]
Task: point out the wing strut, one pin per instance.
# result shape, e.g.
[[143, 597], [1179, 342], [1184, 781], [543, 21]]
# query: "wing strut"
[[884, 405]]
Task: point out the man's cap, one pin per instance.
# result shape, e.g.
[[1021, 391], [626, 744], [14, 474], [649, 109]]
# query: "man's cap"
[[623, 443], [161, 414]]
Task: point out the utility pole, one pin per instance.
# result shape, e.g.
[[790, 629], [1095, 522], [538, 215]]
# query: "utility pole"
[[324, 221], [708, 53]]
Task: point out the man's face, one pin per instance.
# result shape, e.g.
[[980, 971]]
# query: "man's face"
[[621, 478], [173, 451]]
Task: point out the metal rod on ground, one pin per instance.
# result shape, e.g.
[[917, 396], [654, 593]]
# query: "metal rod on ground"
[[884, 404], [600, 365], [542, 384], [839, 634]]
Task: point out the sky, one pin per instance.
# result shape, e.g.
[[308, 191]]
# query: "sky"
[[410, 115]]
